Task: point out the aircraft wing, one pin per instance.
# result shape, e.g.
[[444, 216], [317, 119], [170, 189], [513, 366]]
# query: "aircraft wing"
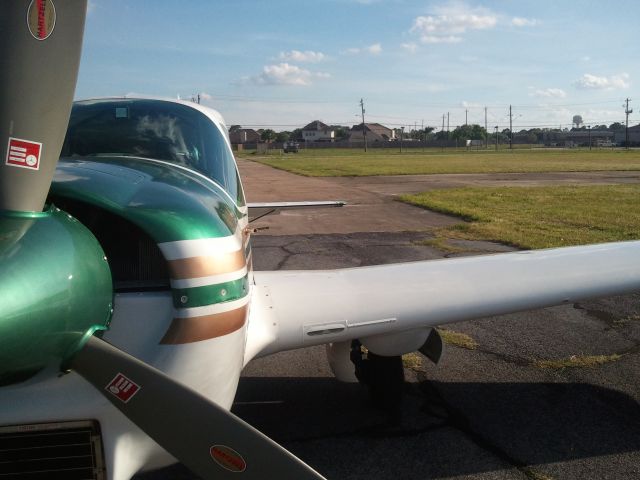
[[258, 210], [305, 308]]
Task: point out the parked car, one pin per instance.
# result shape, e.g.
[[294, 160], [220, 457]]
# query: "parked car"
[[291, 147]]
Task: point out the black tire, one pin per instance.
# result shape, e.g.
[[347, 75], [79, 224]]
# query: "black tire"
[[386, 380], [384, 376]]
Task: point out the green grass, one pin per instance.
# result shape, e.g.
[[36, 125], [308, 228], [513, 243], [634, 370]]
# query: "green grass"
[[346, 162], [577, 361], [412, 360], [534, 474], [539, 217], [457, 339]]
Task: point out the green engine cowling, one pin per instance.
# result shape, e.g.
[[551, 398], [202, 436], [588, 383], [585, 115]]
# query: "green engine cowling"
[[55, 290]]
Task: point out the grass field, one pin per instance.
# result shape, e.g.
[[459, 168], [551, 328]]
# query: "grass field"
[[343, 162], [539, 217]]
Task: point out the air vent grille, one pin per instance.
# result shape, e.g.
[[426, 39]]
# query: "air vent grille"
[[68, 450]]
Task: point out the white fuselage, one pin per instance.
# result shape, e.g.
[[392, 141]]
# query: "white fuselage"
[[212, 367]]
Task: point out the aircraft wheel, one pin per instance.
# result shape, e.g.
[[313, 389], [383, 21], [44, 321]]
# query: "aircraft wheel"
[[384, 376]]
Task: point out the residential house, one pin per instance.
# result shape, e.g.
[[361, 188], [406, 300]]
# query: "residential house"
[[317, 131], [244, 135], [375, 133]]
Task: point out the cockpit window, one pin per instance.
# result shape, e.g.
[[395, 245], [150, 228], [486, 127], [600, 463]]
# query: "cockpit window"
[[153, 129]]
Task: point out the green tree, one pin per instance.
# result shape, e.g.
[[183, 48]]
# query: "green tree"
[[340, 131], [282, 137], [469, 132], [296, 135], [427, 132], [268, 135]]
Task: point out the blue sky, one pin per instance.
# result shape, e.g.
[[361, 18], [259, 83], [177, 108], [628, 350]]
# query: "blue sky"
[[281, 64]]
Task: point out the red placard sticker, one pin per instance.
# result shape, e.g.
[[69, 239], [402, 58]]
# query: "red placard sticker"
[[123, 388], [23, 153], [228, 458]]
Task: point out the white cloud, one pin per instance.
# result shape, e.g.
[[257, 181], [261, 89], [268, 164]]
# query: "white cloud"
[[437, 39], [589, 81], [373, 49], [548, 93], [409, 47], [284, 74], [205, 96], [523, 22], [306, 56], [451, 21]]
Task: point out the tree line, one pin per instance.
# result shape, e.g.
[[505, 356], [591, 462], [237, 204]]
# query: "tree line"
[[460, 133]]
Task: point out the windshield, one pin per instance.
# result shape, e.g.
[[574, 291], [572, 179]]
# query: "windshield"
[[153, 129]]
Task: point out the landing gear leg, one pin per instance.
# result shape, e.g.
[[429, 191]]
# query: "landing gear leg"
[[383, 375]]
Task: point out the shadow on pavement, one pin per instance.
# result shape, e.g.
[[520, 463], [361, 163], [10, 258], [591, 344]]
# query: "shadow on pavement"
[[447, 429]]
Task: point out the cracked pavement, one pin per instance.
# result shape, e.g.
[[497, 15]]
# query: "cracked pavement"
[[487, 413]]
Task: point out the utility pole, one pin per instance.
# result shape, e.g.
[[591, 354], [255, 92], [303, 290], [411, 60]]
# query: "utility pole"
[[496, 138], [466, 117], [364, 126], [443, 123], [627, 111], [510, 129], [401, 136], [589, 128], [447, 125], [486, 132]]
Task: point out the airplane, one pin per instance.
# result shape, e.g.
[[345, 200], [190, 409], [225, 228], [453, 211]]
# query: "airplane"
[[130, 305]]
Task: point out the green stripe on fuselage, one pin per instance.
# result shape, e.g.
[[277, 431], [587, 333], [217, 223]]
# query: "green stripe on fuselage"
[[210, 294]]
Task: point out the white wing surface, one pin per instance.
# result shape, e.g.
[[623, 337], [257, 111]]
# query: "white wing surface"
[[293, 309]]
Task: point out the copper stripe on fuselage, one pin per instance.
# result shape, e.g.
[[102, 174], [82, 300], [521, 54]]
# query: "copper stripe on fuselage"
[[206, 266], [205, 327]]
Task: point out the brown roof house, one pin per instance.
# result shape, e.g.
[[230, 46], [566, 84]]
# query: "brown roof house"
[[375, 133], [317, 131], [244, 135]]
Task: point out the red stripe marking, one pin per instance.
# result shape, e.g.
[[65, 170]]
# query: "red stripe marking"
[[42, 31]]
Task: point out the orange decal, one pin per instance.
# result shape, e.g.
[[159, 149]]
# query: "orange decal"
[[195, 329], [228, 458], [196, 267]]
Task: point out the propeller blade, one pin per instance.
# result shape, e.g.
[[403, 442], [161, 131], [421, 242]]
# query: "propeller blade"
[[40, 46], [208, 439]]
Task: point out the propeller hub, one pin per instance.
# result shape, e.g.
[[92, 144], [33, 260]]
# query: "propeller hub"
[[55, 290]]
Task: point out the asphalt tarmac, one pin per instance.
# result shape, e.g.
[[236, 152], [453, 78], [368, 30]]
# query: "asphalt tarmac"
[[485, 413]]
